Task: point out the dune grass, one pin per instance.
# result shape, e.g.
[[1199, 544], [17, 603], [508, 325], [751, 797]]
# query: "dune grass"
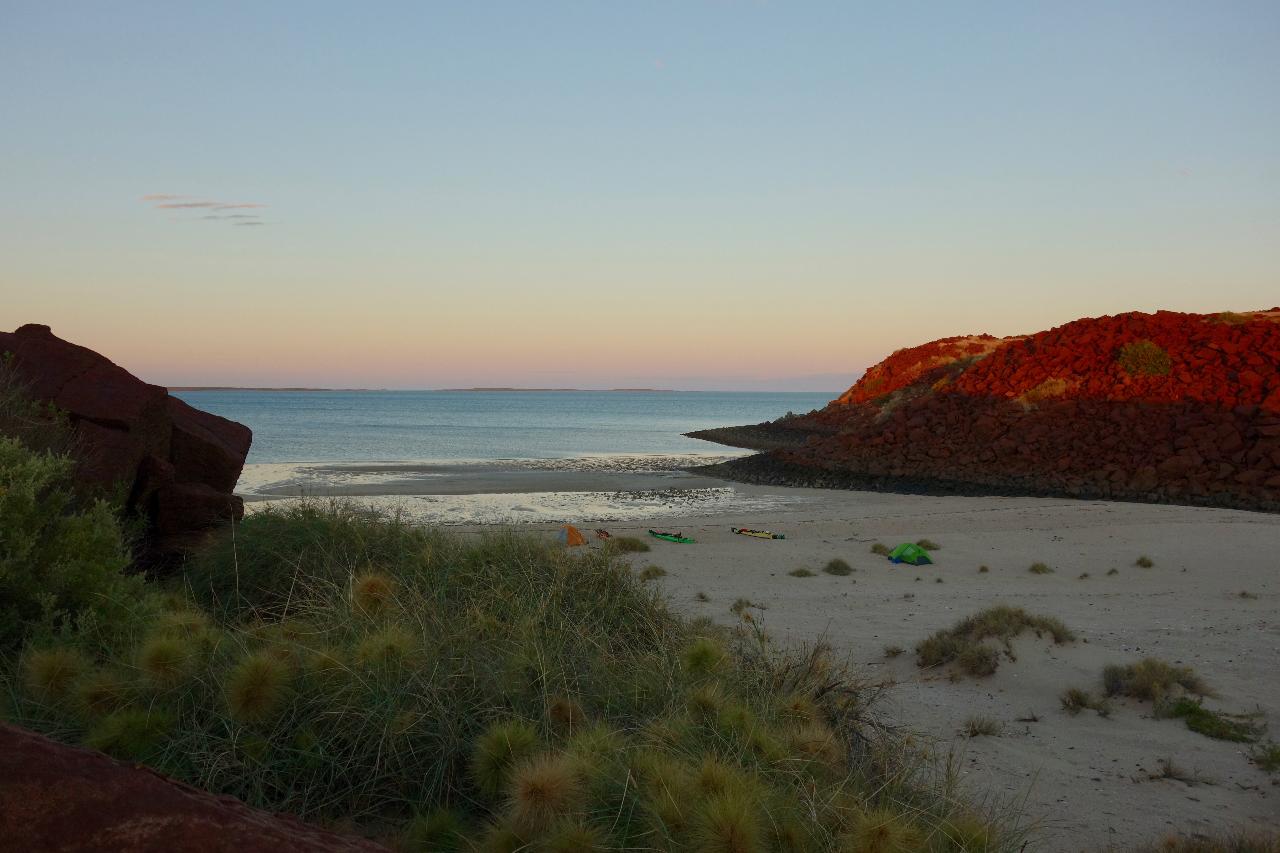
[[929, 545], [1237, 728], [1144, 562], [1152, 680], [1040, 569], [966, 643], [882, 549], [981, 726], [628, 545], [442, 691], [1074, 700], [801, 572], [649, 573]]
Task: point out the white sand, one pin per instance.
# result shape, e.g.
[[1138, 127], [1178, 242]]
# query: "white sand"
[[1085, 780]]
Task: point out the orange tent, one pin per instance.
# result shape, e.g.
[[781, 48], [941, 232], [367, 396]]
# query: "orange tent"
[[571, 535]]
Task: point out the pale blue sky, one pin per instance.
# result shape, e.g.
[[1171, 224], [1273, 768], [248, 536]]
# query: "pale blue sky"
[[691, 194]]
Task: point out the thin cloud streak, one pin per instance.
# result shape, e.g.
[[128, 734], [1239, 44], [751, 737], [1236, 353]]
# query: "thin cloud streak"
[[175, 202]]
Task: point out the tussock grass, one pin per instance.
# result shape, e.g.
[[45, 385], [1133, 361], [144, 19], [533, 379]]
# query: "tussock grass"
[[882, 549], [1074, 700], [893, 651], [1144, 358], [1152, 680], [966, 644], [628, 545], [1040, 569], [982, 570], [1144, 562], [1267, 757], [651, 572], [1111, 572], [496, 691], [929, 545], [801, 572], [838, 567], [981, 726]]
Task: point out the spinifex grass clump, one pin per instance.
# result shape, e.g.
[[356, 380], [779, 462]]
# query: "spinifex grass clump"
[[838, 567], [494, 693], [1143, 358], [966, 642], [628, 545], [1239, 728]]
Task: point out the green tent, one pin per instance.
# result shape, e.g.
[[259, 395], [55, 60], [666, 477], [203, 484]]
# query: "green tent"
[[909, 552]]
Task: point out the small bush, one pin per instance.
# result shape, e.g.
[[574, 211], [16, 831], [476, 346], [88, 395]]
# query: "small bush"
[[1248, 596], [629, 545], [1143, 358], [981, 727], [882, 549], [1040, 569], [651, 572], [838, 567], [739, 606], [1144, 562], [929, 545], [982, 570], [801, 572], [1111, 572], [1152, 679], [1074, 700], [1231, 318], [1084, 576], [893, 651]]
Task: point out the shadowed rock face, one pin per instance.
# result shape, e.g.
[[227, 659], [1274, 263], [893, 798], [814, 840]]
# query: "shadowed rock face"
[[58, 798], [177, 465]]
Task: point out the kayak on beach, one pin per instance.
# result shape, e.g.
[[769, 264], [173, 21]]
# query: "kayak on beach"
[[671, 537], [759, 534]]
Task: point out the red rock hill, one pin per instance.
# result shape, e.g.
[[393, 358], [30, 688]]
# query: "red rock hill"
[[1165, 407]]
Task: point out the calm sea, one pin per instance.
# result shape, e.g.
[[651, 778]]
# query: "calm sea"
[[386, 426]]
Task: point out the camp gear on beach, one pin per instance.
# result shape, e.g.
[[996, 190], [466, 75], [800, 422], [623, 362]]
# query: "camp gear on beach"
[[759, 534], [570, 535], [671, 537], [909, 552], [601, 533]]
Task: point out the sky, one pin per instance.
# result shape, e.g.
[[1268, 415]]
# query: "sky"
[[670, 193]]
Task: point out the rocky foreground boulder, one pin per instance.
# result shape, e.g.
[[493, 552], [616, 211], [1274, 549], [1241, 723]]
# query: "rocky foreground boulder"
[[175, 465], [57, 798], [1164, 407]]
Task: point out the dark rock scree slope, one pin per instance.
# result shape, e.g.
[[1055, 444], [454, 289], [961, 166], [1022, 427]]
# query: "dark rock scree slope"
[[1164, 407]]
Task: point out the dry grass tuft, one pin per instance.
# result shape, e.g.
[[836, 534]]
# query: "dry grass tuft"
[[49, 673], [882, 549], [1074, 700], [1153, 680], [929, 545], [652, 572], [1144, 562], [628, 545], [982, 727], [543, 790], [838, 567], [965, 642], [801, 572], [1040, 569], [372, 592]]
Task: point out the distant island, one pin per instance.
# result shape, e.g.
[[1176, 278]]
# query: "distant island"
[[478, 390]]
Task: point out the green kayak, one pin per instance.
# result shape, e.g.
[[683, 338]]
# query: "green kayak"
[[670, 537]]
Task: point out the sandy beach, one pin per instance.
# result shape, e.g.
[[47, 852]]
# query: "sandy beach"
[[1084, 781]]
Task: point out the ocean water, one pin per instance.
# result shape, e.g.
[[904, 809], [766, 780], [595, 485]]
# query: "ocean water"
[[498, 457], [445, 426]]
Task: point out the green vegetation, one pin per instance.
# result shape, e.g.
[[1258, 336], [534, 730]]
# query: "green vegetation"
[[1144, 562], [838, 567], [61, 555], [651, 572], [801, 572], [496, 691], [1153, 680], [628, 545], [1231, 318], [929, 545], [1074, 700], [1267, 757], [982, 727], [882, 549], [893, 651], [1215, 724], [982, 570], [965, 642], [1143, 358], [1040, 569]]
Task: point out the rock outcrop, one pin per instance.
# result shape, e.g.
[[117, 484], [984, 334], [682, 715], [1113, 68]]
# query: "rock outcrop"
[[1163, 407], [55, 797], [176, 465]]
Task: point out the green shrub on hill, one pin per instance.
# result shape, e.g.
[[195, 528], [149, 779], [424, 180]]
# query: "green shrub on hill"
[[1144, 358]]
